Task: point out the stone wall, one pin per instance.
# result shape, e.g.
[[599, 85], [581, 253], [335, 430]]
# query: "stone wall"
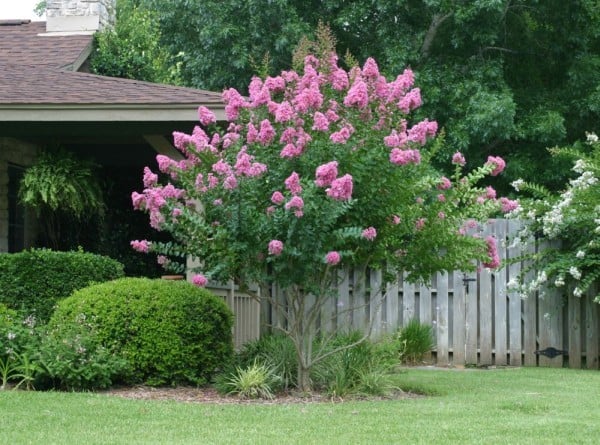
[[70, 14], [23, 154]]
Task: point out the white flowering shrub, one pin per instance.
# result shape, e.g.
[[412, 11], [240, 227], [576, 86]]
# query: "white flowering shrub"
[[570, 220]]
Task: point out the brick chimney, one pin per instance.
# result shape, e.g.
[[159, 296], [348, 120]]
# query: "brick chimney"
[[79, 16]]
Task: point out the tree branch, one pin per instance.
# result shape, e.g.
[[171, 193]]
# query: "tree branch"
[[436, 22]]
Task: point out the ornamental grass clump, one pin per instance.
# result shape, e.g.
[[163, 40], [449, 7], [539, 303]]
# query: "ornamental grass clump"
[[317, 170]]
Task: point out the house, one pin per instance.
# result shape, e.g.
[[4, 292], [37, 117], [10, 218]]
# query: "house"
[[48, 96]]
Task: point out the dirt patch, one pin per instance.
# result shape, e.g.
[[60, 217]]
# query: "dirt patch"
[[210, 395]]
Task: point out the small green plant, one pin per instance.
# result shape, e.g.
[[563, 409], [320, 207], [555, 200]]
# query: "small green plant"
[[415, 340], [255, 381], [8, 371], [278, 352]]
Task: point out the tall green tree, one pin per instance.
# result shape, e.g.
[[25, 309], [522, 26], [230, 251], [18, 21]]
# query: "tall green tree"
[[503, 76]]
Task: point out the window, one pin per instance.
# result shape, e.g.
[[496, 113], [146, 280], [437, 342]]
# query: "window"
[[16, 211]]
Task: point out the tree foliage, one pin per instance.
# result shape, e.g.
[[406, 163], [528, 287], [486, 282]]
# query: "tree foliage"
[[503, 76]]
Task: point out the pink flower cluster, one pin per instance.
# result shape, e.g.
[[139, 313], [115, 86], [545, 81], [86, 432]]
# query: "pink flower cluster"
[[199, 280], [458, 158], [370, 233], [332, 258], [494, 261], [404, 157], [341, 188], [326, 174], [497, 163], [275, 247], [142, 246]]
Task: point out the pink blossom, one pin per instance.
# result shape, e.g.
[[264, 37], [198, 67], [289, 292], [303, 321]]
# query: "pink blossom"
[[284, 112], [419, 200], [205, 116], [251, 133], [342, 136], [138, 200], [508, 205], [275, 84], [494, 261], [444, 184], [341, 188], [358, 95], [222, 168], [308, 98], [458, 158], [410, 101], [266, 134], [234, 102], [320, 122], [230, 138], [422, 130], [395, 139], [142, 246], [490, 193], [290, 151], [370, 69], [369, 233], [480, 199], [339, 79], [497, 163], [326, 173], [396, 219], [218, 202], [441, 215], [332, 258], [275, 247], [420, 223], [404, 157], [213, 181], [162, 260], [441, 197], [176, 212], [199, 280], [401, 85], [270, 210], [164, 163], [332, 116], [292, 183], [298, 213], [230, 182], [277, 197], [295, 203]]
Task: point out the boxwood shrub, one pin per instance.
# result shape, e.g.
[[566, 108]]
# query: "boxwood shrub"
[[168, 332], [33, 281]]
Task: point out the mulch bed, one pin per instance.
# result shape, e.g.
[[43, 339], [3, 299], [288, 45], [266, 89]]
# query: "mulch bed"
[[210, 395]]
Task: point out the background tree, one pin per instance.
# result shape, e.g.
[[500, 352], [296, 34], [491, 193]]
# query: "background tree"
[[503, 76]]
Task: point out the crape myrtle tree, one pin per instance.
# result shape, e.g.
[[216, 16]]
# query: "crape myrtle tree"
[[317, 171]]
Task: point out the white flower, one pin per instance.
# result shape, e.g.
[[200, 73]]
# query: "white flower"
[[580, 254], [11, 336], [591, 137], [579, 166], [560, 281], [577, 292], [517, 184], [512, 284], [575, 273]]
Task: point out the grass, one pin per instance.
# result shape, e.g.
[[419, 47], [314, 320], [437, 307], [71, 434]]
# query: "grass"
[[503, 406]]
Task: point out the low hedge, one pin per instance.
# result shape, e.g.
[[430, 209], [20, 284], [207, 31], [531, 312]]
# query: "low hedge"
[[168, 332], [33, 281]]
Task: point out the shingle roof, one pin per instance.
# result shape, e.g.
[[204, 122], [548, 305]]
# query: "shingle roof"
[[26, 43], [42, 85], [32, 73]]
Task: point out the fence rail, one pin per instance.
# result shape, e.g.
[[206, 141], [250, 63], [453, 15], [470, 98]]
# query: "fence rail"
[[477, 318]]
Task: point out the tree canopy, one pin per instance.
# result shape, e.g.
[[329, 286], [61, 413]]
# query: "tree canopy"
[[504, 76]]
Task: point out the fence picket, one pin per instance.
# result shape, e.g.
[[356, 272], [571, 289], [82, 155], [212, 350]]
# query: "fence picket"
[[500, 298], [441, 319], [574, 317], [592, 331], [459, 320]]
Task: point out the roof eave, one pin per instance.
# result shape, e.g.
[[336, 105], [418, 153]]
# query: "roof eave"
[[105, 112]]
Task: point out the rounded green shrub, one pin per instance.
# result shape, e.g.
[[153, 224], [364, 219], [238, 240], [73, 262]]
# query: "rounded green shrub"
[[168, 332], [33, 281]]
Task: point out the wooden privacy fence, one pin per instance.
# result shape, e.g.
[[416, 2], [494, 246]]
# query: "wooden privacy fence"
[[477, 319]]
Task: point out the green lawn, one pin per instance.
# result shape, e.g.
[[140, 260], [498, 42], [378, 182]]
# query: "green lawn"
[[504, 406]]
